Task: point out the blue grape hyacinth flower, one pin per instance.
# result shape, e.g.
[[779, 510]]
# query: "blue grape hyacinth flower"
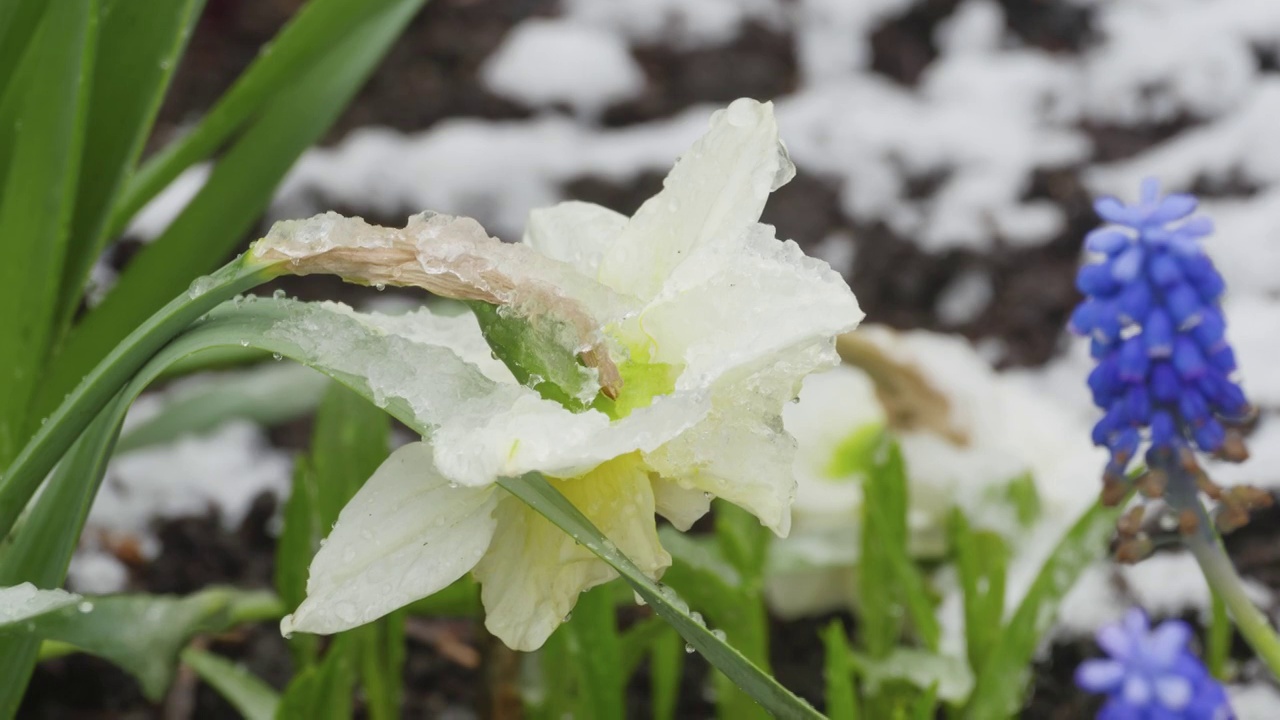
[[1151, 674], [1166, 374]]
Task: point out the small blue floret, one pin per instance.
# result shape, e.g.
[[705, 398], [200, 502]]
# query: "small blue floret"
[[1151, 674], [1151, 311]]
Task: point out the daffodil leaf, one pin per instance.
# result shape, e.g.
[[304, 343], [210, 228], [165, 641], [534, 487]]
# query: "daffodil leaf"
[[41, 550], [42, 128], [268, 394], [666, 668], [595, 656], [722, 578], [636, 641], [139, 45], [251, 697], [143, 633], [323, 691], [842, 700], [743, 540], [981, 557], [948, 677], [350, 440], [1002, 682], [283, 105], [889, 576]]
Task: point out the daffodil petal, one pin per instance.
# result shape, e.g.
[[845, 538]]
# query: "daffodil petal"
[[405, 535], [744, 299], [389, 357], [536, 434], [575, 232], [715, 190], [680, 505], [534, 571], [741, 452]]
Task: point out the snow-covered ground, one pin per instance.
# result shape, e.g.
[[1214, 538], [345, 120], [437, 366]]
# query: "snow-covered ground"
[[985, 117]]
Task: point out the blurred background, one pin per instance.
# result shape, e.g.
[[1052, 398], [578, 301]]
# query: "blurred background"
[[947, 152]]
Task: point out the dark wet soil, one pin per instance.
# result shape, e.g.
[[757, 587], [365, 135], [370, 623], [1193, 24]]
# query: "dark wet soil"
[[431, 74]]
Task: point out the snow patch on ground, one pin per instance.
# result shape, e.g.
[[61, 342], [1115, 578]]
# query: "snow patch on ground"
[[222, 471], [965, 298], [1255, 701], [679, 22], [544, 62]]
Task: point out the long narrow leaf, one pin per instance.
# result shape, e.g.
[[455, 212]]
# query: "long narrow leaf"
[[1002, 682], [18, 22], [251, 697], [41, 552], [351, 438], [981, 557], [42, 122], [56, 434], [145, 633], [311, 34], [380, 650], [591, 637], [269, 394], [842, 699], [322, 692], [888, 575], [238, 191], [666, 668], [139, 47]]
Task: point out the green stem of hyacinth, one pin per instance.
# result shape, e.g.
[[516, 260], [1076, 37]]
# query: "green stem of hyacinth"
[[1206, 547]]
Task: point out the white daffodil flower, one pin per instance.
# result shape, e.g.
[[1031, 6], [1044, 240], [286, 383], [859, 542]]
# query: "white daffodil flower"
[[693, 325], [1009, 431]]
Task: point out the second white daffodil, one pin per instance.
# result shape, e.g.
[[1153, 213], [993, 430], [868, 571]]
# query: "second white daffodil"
[[691, 326]]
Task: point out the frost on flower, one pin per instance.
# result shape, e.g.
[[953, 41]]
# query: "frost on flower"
[[644, 365]]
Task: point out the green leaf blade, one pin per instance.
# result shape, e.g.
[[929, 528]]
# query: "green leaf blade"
[[144, 634], [140, 45], [238, 190], [42, 128], [254, 699], [842, 700], [1001, 684]]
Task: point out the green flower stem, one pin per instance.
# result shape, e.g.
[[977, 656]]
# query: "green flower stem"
[[1223, 579], [60, 430]]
